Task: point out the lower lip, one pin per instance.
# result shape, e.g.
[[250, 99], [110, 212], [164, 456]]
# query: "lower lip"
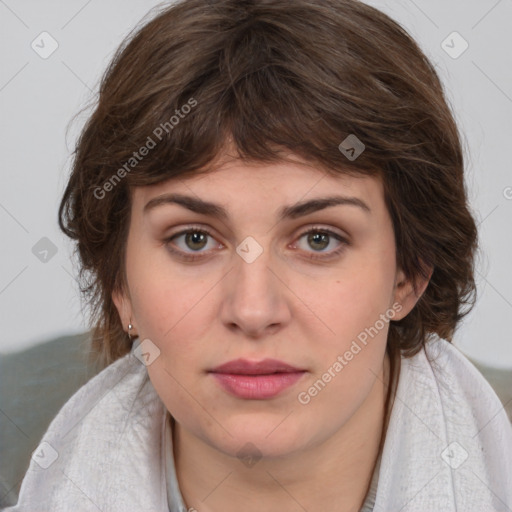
[[257, 387]]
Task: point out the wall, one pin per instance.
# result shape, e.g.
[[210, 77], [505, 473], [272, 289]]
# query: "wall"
[[39, 96]]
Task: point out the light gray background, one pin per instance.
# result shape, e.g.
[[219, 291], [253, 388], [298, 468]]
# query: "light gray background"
[[38, 98]]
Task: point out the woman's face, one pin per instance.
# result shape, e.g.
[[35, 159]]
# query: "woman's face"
[[262, 286]]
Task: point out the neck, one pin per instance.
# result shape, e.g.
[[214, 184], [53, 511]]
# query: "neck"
[[334, 475]]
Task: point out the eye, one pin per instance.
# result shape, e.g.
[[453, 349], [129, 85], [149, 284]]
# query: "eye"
[[320, 238], [194, 239]]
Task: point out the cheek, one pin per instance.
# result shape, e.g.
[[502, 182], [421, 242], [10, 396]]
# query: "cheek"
[[352, 299], [172, 315], [163, 298], [350, 356]]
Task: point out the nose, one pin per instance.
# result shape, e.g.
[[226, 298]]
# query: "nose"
[[255, 297]]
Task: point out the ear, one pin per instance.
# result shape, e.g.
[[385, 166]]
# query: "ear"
[[404, 293], [124, 309]]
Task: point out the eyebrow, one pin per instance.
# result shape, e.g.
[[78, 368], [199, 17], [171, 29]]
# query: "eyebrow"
[[287, 212]]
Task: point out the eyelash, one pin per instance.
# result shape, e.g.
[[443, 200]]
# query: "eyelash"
[[194, 257]]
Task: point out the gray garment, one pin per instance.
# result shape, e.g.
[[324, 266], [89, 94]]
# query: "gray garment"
[[175, 498]]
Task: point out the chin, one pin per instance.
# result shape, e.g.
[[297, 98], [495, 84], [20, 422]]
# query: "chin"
[[260, 437]]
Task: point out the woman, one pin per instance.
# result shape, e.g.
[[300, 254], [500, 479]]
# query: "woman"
[[274, 235]]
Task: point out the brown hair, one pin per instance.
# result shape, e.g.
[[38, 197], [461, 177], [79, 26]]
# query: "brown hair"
[[274, 75]]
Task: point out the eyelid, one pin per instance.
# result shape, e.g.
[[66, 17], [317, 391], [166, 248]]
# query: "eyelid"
[[308, 229], [191, 256], [324, 256], [323, 229], [192, 229]]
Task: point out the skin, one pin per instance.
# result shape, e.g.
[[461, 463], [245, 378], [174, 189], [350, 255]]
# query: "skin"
[[318, 456]]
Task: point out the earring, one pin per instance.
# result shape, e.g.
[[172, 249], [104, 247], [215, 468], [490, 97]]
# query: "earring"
[[130, 327]]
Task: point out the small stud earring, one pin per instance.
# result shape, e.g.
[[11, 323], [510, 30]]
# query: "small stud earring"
[[130, 327]]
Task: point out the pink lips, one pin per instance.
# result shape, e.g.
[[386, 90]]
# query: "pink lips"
[[256, 380]]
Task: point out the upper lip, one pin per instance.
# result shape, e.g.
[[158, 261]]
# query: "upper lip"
[[263, 367]]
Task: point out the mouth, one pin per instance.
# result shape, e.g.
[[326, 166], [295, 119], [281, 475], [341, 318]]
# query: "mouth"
[[256, 380]]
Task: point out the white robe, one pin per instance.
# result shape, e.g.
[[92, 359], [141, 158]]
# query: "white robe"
[[448, 446]]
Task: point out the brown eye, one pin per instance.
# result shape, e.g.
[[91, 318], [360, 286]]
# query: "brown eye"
[[319, 239], [195, 239], [190, 241]]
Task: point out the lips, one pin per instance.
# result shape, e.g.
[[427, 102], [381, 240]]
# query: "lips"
[[256, 380], [264, 367]]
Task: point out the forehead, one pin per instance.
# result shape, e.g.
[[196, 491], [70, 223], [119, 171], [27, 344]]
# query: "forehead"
[[239, 187]]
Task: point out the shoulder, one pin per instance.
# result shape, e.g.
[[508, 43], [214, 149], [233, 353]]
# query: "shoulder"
[[443, 376], [449, 441], [104, 446], [107, 393], [456, 376]]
